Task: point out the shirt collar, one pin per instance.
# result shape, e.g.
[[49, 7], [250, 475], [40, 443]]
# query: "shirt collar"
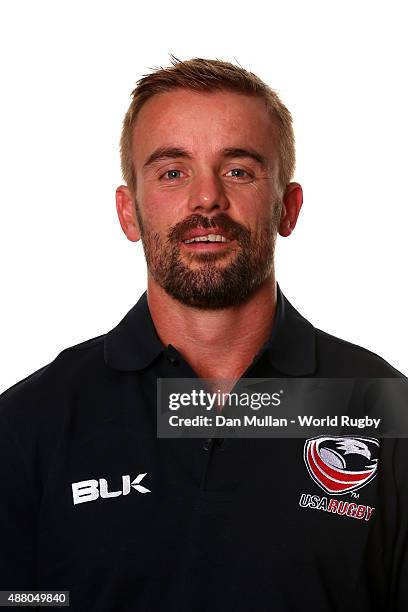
[[133, 344]]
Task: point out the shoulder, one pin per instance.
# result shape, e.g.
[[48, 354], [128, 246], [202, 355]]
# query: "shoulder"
[[338, 357], [48, 388]]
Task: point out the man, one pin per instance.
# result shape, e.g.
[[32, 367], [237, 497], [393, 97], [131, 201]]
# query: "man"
[[93, 502]]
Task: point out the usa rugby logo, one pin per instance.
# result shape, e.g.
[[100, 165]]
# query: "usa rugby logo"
[[341, 465]]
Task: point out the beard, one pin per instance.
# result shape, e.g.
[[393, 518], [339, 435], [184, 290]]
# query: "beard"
[[204, 280]]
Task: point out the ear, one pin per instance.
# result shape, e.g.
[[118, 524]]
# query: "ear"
[[292, 203], [125, 208]]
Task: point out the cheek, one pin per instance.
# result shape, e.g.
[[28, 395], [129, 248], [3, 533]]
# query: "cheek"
[[161, 209], [253, 195], [250, 204], [160, 201]]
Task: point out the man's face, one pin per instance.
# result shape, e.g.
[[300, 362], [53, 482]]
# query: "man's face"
[[206, 164]]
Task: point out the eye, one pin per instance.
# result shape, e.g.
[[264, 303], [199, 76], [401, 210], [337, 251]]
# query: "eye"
[[238, 173], [171, 175]]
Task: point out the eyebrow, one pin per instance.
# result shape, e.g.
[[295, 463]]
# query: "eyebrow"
[[163, 153], [251, 153], [166, 153]]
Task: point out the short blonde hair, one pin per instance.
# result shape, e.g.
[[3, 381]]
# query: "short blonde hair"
[[208, 75]]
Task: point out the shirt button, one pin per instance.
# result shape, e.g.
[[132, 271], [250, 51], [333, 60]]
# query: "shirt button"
[[207, 444], [172, 355]]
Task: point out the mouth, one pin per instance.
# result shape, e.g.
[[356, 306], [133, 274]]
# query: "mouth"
[[210, 239]]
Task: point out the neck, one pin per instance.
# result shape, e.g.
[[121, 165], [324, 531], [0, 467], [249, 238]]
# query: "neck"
[[216, 343]]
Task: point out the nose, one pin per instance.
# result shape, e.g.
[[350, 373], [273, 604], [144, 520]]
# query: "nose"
[[207, 193]]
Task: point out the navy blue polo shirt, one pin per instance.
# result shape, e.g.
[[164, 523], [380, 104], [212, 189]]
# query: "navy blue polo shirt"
[[186, 524]]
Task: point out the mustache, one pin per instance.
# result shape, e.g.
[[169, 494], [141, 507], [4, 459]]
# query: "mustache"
[[221, 221]]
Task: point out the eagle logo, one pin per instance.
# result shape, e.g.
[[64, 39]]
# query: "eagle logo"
[[341, 465]]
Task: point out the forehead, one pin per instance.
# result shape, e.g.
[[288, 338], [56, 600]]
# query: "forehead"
[[203, 122]]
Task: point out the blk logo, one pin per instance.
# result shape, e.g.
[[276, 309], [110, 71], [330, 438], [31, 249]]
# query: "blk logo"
[[89, 490]]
